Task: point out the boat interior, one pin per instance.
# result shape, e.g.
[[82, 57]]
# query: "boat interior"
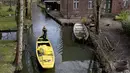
[[46, 44]]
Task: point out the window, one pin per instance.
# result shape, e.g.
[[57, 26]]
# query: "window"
[[125, 3], [90, 4], [76, 4]]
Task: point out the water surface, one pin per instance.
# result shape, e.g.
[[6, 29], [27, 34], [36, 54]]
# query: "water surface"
[[71, 57]]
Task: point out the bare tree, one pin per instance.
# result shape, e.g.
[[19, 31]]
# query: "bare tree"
[[20, 21], [28, 9], [0, 5], [97, 12], [10, 4]]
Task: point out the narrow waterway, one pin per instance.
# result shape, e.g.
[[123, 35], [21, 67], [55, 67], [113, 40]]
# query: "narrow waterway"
[[8, 36], [71, 57]]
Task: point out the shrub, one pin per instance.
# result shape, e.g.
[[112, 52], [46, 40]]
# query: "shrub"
[[84, 20], [10, 9], [126, 27], [123, 16]]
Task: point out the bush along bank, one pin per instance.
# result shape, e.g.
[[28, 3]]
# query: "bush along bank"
[[124, 17], [126, 27]]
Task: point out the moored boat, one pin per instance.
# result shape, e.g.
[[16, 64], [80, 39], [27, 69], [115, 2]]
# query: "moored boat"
[[45, 53], [80, 31]]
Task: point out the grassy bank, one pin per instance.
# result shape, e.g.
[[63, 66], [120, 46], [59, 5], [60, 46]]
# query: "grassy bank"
[[7, 23], [4, 11], [7, 19], [7, 56]]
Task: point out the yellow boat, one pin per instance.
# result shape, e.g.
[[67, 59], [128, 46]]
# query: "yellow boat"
[[45, 53]]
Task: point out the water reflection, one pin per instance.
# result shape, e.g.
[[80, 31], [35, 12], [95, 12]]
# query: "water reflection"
[[9, 36], [72, 50], [73, 67]]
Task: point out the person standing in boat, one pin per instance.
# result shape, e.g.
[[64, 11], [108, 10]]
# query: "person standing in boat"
[[44, 30]]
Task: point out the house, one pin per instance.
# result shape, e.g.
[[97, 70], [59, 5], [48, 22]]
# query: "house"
[[108, 6], [81, 8], [84, 8], [72, 8], [119, 5], [52, 4], [76, 8]]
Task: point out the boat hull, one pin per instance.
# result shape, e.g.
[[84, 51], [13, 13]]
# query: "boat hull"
[[45, 53], [80, 31]]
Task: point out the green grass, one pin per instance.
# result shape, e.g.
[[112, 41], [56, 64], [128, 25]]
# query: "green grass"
[[4, 11], [6, 21], [7, 56]]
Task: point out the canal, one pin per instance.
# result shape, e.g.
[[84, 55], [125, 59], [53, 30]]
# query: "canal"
[[71, 57]]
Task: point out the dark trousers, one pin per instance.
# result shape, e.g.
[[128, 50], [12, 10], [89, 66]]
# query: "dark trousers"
[[44, 35]]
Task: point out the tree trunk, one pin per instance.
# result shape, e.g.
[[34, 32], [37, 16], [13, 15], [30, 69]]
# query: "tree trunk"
[[18, 57], [0, 35], [97, 16], [10, 4], [17, 22], [97, 12], [0, 5], [28, 9]]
